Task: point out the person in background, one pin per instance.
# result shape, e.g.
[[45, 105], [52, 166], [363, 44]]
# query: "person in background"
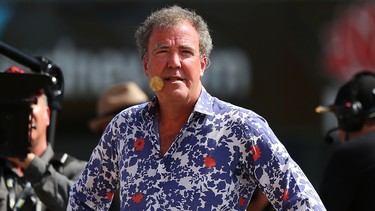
[[113, 100], [42, 180], [259, 202], [348, 182], [185, 149]]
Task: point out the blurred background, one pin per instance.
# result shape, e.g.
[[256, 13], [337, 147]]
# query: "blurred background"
[[280, 58]]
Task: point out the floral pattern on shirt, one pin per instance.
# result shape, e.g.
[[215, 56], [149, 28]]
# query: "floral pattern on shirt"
[[215, 163]]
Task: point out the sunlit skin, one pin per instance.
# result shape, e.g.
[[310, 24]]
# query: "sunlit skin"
[[40, 120], [173, 55]]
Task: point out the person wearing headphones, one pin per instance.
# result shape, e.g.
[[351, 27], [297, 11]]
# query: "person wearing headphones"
[[113, 100], [348, 182]]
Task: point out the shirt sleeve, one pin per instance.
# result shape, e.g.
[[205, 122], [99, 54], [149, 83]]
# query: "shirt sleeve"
[[96, 186], [277, 174], [51, 187]]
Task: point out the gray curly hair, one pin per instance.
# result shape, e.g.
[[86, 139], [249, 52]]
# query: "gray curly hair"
[[169, 17]]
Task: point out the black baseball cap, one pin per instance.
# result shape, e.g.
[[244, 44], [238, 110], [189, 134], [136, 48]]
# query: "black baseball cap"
[[361, 88]]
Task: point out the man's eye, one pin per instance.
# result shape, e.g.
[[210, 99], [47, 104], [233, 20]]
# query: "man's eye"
[[187, 52], [161, 51]]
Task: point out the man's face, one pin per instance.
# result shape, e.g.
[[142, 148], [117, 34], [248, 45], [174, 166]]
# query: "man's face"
[[173, 55], [40, 120]]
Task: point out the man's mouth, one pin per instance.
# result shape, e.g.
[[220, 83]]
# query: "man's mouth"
[[173, 79]]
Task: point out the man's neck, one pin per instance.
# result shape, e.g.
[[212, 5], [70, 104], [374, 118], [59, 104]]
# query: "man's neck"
[[363, 131]]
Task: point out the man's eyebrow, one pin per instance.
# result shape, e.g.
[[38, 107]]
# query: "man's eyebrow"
[[166, 46], [160, 46], [190, 47]]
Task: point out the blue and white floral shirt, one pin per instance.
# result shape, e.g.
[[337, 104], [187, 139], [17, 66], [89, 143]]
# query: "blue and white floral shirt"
[[216, 161]]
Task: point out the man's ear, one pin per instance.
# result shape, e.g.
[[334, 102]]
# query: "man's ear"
[[48, 115], [145, 65], [204, 65]]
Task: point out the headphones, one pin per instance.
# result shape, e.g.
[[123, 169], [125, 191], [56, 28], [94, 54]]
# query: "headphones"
[[350, 114]]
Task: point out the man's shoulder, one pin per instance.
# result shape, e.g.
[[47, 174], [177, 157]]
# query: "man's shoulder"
[[230, 108], [62, 158], [66, 163]]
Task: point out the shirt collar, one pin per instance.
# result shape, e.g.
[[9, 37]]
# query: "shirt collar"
[[204, 105], [48, 154]]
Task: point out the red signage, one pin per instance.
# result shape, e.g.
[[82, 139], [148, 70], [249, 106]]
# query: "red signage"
[[349, 43]]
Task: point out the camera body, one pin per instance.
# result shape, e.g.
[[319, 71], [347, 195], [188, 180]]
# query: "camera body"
[[16, 91]]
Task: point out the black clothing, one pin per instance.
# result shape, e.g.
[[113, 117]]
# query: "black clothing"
[[349, 180]]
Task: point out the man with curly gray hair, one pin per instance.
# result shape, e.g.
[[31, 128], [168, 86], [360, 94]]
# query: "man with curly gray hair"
[[169, 18], [185, 149]]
